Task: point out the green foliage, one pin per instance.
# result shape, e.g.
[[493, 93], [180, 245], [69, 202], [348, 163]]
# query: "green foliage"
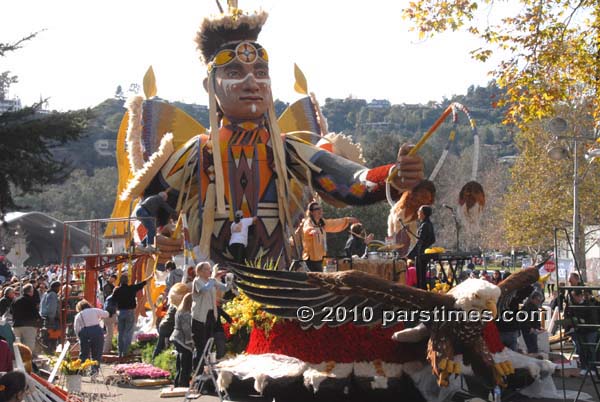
[[81, 196], [147, 350], [166, 360], [27, 140]]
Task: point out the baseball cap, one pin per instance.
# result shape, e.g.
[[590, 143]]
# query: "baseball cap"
[[239, 214]]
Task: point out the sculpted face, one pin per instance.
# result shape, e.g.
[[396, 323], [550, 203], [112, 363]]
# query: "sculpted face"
[[243, 90]]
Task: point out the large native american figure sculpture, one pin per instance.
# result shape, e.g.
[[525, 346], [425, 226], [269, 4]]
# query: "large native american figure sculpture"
[[248, 160]]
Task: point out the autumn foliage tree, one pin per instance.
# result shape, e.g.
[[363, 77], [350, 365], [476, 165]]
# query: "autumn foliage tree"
[[550, 66], [551, 49]]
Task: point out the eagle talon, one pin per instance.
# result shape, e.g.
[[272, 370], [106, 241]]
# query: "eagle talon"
[[446, 369], [502, 370]]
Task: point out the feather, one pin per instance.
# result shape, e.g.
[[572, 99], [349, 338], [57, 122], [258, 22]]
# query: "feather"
[[133, 138], [144, 176]]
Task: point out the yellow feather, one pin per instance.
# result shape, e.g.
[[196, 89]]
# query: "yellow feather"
[[149, 83], [300, 85]]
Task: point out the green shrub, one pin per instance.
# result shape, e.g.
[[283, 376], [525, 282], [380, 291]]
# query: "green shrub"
[[147, 351], [166, 360]]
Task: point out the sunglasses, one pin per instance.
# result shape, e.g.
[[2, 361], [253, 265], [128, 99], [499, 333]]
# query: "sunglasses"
[[245, 52]]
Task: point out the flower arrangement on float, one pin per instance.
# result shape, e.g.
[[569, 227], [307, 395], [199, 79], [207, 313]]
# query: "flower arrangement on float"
[[141, 370], [247, 314], [145, 338]]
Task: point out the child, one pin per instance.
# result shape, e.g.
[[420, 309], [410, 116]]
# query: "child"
[[183, 341]]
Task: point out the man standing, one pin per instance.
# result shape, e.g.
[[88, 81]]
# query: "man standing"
[[7, 300], [239, 236], [26, 317], [425, 238], [49, 310], [125, 297]]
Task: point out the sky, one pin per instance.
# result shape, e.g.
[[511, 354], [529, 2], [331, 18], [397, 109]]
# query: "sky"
[[345, 48]]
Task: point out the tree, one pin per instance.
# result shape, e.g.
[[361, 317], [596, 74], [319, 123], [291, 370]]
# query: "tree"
[[541, 194], [552, 49], [27, 139], [81, 196]]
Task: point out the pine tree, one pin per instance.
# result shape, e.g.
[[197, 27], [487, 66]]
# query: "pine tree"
[[27, 139]]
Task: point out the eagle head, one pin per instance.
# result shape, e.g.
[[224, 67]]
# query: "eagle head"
[[476, 294]]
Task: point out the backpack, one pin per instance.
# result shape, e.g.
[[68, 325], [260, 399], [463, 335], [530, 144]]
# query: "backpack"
[[110, 305]]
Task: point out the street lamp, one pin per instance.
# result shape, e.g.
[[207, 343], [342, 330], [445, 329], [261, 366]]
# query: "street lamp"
[[556, 151]]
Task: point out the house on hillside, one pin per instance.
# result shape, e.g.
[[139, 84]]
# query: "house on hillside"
[[10, 105]]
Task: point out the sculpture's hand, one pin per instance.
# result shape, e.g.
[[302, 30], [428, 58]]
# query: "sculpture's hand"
[[409, 169]]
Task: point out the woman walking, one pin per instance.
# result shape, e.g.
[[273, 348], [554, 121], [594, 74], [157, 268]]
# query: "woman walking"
[[87, 328]]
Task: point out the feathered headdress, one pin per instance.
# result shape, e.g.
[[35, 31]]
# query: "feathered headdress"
[[218, 39], [228, 28]]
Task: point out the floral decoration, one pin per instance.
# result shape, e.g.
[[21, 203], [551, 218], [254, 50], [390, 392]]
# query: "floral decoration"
[[142, 338], [141, 370], [247, 313], [76, 367], [343, 344]]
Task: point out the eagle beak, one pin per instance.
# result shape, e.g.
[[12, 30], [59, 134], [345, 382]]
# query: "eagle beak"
[[491, 306]]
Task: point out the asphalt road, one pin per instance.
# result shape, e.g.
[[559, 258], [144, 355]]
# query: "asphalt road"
[[129, 393]]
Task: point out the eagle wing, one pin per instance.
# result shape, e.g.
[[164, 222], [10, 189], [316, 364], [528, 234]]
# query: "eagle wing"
[[517, 285], [336, 298]]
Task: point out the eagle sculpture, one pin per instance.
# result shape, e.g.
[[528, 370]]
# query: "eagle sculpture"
[[283, 293]]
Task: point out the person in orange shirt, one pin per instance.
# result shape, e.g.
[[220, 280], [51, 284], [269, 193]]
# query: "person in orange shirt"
[[314, 235]]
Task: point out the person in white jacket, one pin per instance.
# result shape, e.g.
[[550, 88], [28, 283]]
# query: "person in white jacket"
[[204, 305], [87, 328]]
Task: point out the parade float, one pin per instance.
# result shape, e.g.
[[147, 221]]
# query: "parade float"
[[270, 167]]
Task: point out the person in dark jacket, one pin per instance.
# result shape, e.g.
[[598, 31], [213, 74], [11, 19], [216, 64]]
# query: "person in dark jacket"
[[508, 326], [26, 318], [531, 326], [357, 242], [425, 238], [109, 286], [5, 273], [151, 207], [7, 300], [125, 297], [581, 335]]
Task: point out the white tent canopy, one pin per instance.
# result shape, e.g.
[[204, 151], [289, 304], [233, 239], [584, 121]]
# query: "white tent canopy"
[[44, 236]]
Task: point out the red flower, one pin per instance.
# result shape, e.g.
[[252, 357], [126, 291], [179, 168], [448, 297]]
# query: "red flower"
[[491, 336], [344, 344]]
